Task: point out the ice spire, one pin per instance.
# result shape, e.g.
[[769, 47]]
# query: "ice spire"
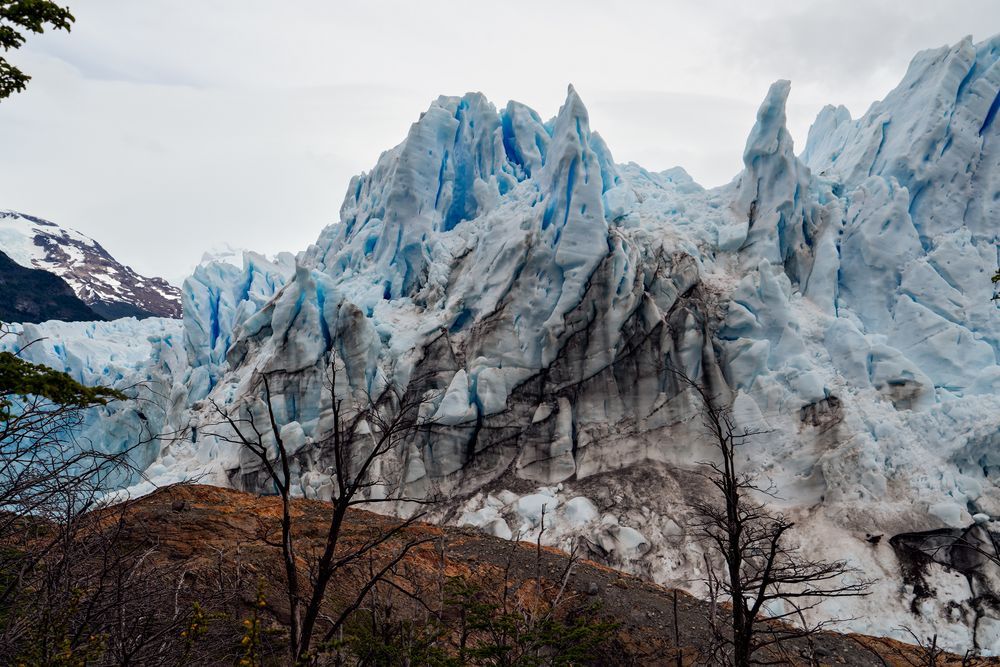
[[573, 221], [772, 189]]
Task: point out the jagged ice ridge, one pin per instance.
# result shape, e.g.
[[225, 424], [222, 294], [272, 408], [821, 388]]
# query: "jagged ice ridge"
[[539, 294]]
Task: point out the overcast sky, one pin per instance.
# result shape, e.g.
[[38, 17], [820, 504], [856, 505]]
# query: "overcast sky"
[[164, 127]]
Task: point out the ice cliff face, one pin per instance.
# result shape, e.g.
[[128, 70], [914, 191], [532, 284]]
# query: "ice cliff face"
[[144, 358], [539, 295]]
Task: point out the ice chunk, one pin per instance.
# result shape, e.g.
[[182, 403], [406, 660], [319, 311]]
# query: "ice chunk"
[[951, 514], [531, 507], [579, 511], [455, 407]]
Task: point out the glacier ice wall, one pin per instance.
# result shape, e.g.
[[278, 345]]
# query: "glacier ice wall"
[[539, 294], [142, 358]]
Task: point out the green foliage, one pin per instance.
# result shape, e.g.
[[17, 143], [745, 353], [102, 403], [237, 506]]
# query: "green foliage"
[[253, 650], [12, 560], [500, 635], [55, 642], [17, 17], [195, 630], [376, 637], [478, 628], [390, 644], [22, 378]]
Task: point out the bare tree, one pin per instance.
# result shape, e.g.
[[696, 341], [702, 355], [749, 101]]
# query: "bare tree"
[[365, 429], [769, 584], [921, 652], [71, 588]]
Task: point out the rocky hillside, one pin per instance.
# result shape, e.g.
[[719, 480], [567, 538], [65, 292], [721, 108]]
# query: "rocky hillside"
[[111, 289], [201, 529]]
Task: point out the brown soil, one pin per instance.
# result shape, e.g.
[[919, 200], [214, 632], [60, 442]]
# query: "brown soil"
[[206, 528]]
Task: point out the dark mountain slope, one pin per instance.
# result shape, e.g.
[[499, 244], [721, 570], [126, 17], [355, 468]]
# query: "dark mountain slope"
[[34, 295]]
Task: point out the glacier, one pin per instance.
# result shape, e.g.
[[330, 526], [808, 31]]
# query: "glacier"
[[541, 294], [143, 358]]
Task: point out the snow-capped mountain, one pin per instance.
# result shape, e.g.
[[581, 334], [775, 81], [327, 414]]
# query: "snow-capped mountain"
[[110, 288], [540, 295]]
